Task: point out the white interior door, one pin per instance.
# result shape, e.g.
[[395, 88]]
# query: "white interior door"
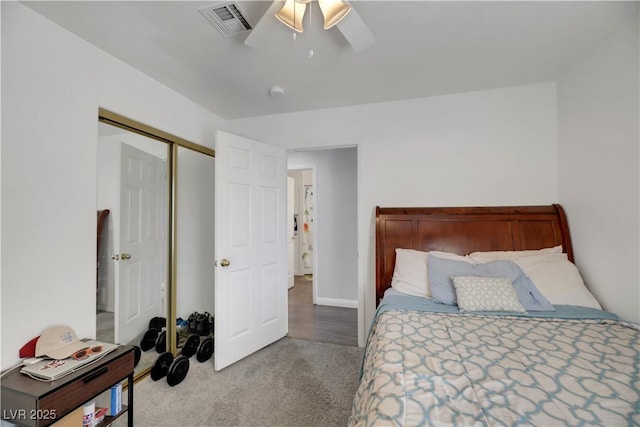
[[142, 236], [251, 248], [291, 252]]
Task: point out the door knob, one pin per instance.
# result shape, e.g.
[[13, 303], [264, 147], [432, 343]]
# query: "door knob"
[[125, 256], [224, 262]]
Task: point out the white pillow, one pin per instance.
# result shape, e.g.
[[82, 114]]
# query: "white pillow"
[[557, 279], [452, 256], [476, 293], [410, 273], [483, 257]]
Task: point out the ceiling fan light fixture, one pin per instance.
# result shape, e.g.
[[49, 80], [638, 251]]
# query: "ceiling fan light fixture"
[[333, 11], [291, 14]]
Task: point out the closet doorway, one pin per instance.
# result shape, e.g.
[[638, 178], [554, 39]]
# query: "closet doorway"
[[323, 298]]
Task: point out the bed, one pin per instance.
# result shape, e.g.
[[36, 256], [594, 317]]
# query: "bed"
[[483, 360]]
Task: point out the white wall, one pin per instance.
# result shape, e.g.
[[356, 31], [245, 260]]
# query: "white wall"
[[335, 222], [52, 86], [599, 177], [495, 147], [107, 197]]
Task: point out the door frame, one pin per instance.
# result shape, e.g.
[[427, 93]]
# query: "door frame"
[[291, 239], [361, 230]]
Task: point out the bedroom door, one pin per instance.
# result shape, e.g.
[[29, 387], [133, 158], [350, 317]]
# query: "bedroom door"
[[250, 247]]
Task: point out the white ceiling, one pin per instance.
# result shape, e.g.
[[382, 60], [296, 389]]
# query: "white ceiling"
[[421, 48]]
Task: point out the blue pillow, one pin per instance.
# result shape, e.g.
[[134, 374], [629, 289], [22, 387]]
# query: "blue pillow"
[[442, 270]]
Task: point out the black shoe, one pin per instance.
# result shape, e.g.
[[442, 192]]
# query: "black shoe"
[[204, 328], [157, 323], [193, 322]]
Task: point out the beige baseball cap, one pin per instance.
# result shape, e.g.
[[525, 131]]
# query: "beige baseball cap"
[[58, 342]]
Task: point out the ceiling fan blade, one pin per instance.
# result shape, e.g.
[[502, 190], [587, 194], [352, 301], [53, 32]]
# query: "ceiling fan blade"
[[356, 31], [264, 28]]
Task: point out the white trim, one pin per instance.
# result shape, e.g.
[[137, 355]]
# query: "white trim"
[[316, 224], [335, 302], [366, 238]]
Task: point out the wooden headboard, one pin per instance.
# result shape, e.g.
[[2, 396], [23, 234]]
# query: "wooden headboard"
[[463, 230]]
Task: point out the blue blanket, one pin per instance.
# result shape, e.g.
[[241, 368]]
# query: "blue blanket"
[[402, 302]]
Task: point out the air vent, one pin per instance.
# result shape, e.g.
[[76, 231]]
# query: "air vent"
[[228, 18]]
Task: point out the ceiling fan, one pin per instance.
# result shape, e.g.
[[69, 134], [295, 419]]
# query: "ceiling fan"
[[291, 12]]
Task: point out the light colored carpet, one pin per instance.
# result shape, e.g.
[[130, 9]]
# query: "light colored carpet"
[[289, 383]]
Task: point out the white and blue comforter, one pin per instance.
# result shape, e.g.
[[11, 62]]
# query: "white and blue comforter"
[[447, 368]]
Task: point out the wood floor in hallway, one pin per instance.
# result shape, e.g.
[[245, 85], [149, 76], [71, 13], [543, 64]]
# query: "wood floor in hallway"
[[321, 323]]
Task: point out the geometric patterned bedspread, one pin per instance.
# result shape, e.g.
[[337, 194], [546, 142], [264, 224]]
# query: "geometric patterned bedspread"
[[461, 369]]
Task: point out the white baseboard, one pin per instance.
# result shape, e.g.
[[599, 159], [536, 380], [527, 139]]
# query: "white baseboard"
[[335, 302]]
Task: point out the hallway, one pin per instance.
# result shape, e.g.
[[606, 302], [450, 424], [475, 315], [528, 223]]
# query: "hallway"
[[337, 325]]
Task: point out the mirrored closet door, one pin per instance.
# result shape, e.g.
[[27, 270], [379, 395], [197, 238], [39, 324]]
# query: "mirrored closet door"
[[155, 261], [195, 254]]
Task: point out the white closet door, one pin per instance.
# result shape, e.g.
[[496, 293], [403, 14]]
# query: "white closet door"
[[142, 241]]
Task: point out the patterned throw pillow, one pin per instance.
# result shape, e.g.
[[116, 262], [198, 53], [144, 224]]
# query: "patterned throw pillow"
[[476, 293]]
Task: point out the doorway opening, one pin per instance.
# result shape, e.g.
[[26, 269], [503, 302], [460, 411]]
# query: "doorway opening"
[[300, 202], [322, 245]]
